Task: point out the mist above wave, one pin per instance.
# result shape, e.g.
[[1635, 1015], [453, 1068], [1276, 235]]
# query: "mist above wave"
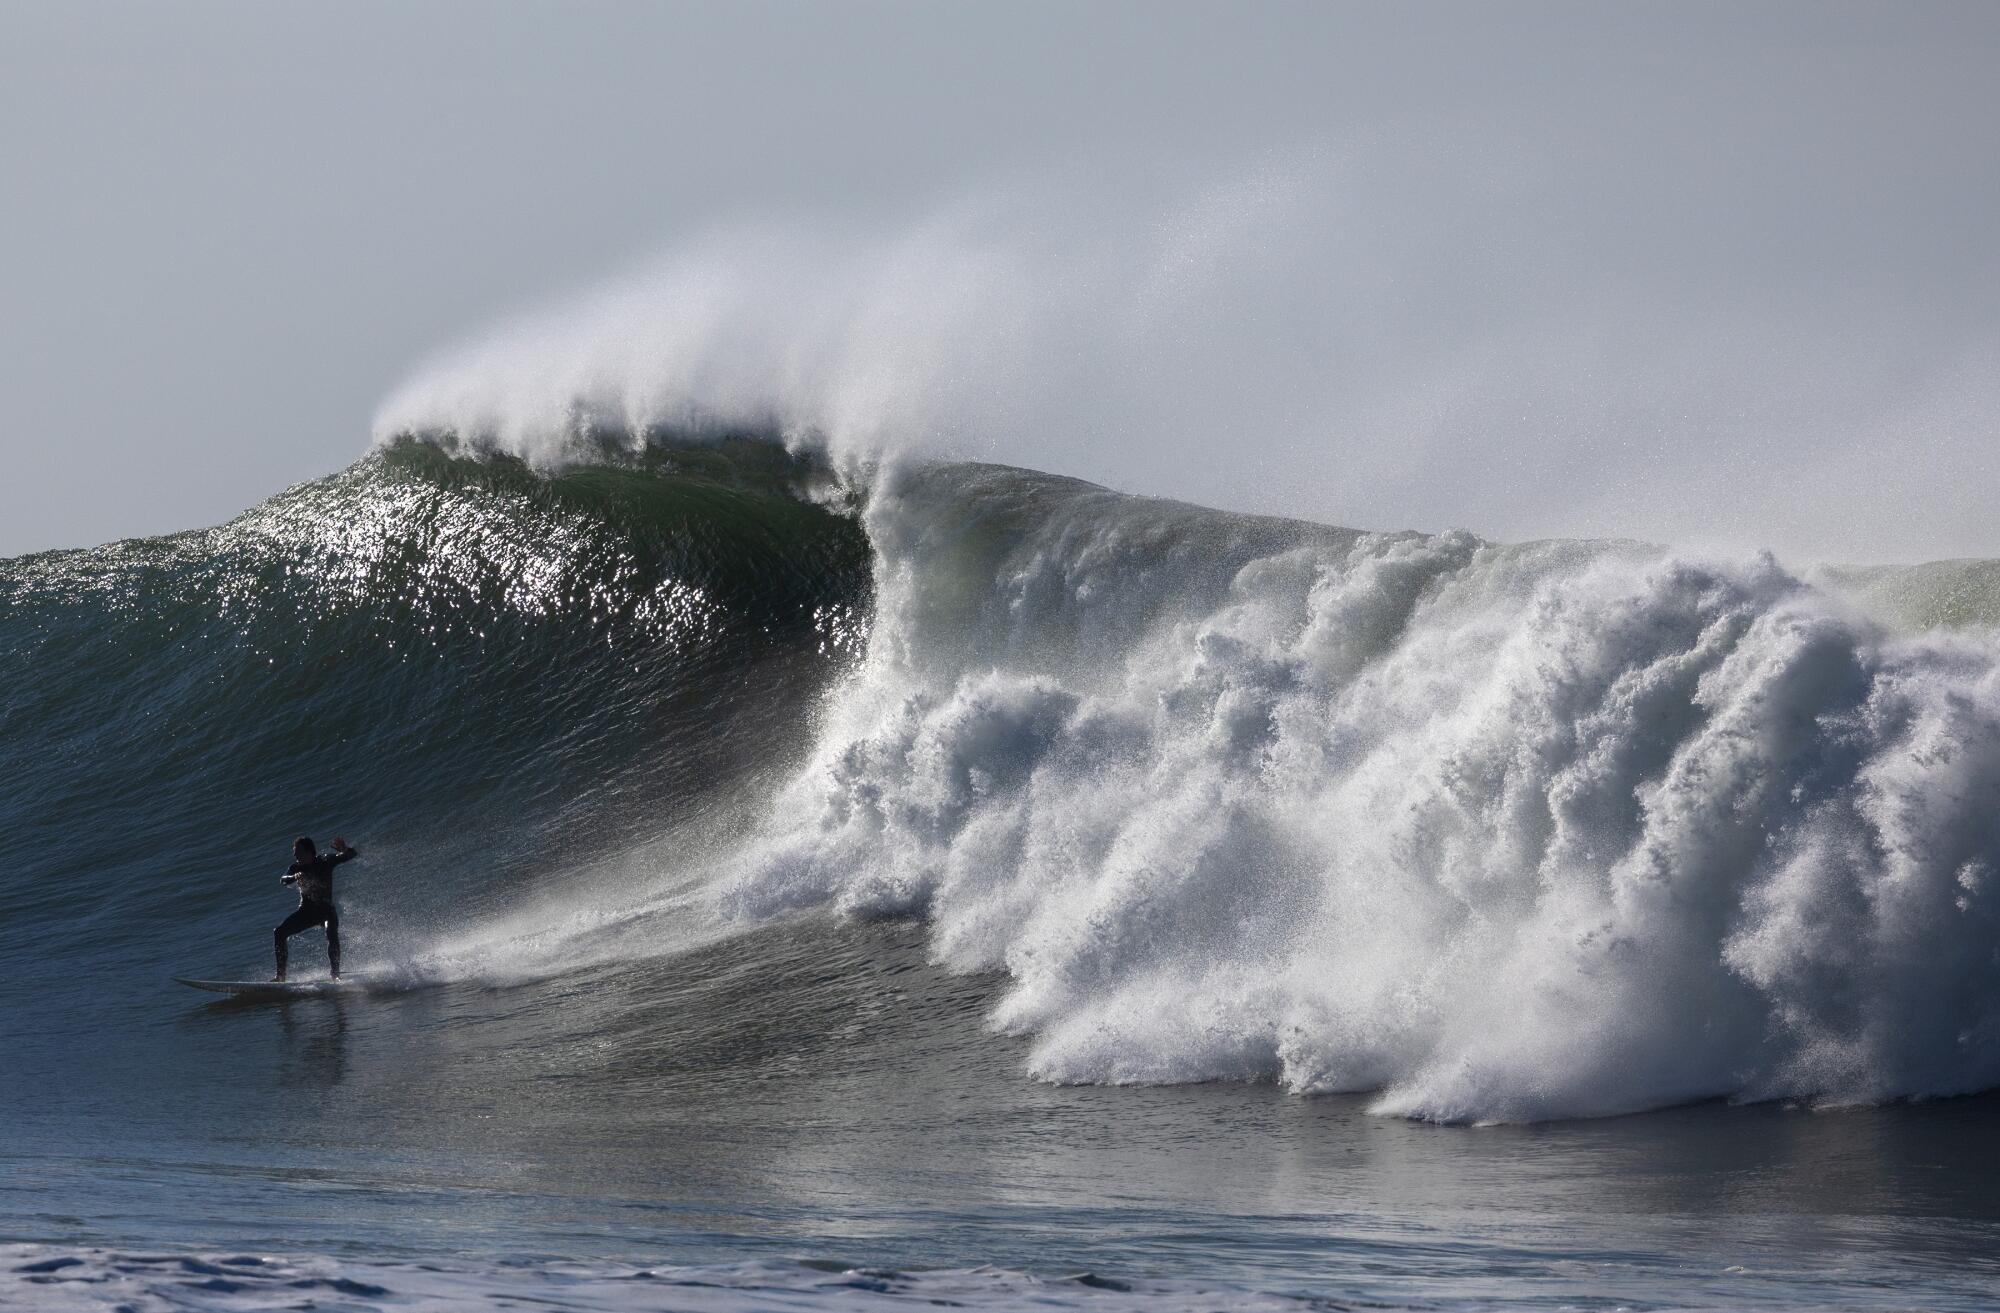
[[1372, 331]]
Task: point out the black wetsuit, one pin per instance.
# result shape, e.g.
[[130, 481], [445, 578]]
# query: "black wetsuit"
[[315, 906]]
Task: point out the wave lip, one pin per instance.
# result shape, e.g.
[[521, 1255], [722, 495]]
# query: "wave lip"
[[1502, 833]]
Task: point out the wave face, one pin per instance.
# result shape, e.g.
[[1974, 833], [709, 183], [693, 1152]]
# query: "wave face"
[[1500, 833], [489, 672], [1503, 833]]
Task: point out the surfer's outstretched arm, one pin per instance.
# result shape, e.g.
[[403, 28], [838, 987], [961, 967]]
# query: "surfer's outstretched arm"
[[341, 852]]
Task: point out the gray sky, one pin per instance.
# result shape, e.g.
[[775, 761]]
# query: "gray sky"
[[1705, 273]]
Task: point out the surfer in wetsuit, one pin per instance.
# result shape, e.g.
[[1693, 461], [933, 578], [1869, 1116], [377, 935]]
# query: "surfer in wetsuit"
[[313, 874]]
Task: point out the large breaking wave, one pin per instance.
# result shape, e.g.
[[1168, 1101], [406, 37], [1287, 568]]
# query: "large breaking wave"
[[1497, 832]]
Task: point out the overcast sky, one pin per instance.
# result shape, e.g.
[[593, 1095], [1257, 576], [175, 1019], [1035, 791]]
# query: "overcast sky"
[[1716, 273]]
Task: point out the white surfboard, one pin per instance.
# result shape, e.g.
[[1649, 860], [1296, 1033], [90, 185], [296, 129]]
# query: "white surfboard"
[[279, 989]]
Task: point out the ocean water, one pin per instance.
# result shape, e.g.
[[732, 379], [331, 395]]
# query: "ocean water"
[[793, 886]]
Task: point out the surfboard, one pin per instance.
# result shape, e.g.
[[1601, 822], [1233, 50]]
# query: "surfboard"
[[274, 989]]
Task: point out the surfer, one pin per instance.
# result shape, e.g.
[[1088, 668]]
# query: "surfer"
[[313, 874]]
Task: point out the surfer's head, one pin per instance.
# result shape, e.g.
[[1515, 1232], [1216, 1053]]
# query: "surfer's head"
[[302, 848]]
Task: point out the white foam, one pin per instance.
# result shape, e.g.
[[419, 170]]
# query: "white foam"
[[1505, 834]]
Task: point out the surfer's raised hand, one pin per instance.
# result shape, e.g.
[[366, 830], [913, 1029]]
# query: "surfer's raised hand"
[[339, 844]]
